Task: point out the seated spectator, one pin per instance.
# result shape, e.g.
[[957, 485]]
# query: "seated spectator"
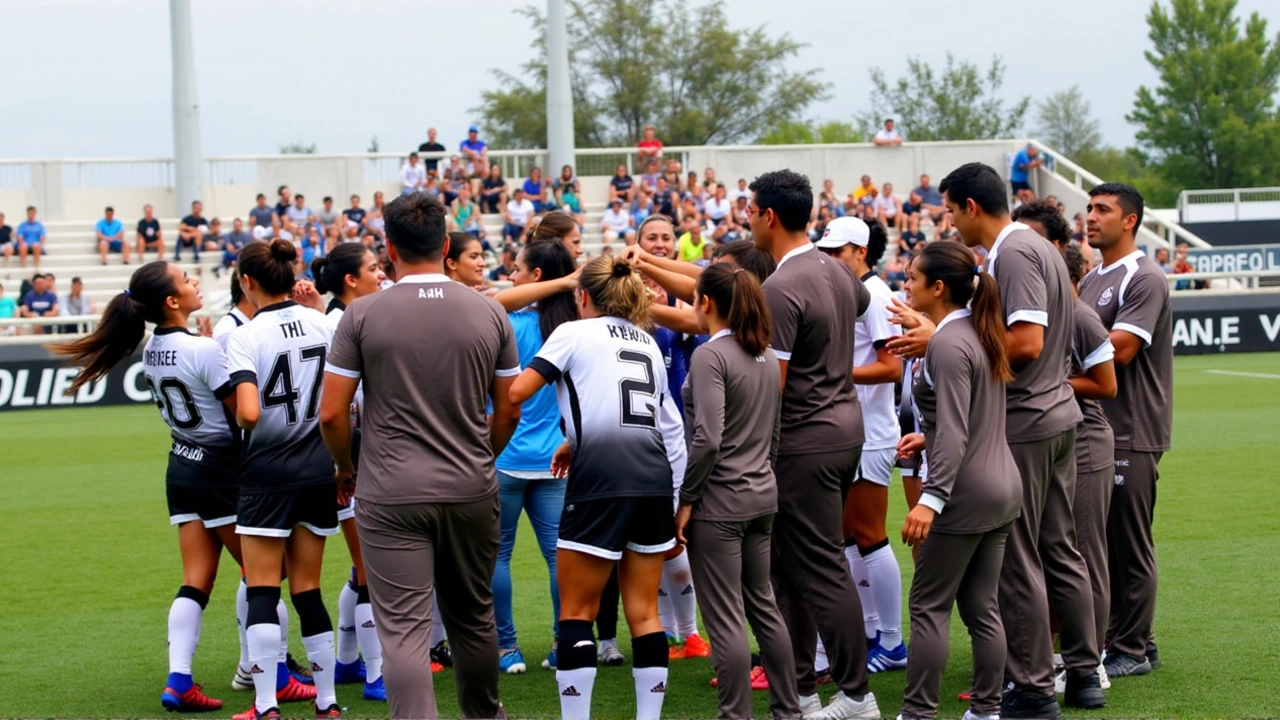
[[895, 273], [76, 304], [913, 205], [109, 233], [718, 208], [697, 195], [327, 216], [866, 205], [455, 177], [741, 191], [235, 242], [312, 245], [262, 216], [475, 152], [622, 186], [571, 203], [413, 175], [688, 208], [1182, 266], [518, 212], [373, 222], [930, 199], [31, 236], [672, 174], [332, 237], [284, 197], [1023, 197], [829, 198], [6, 241], [40, 302], [691, 244], [911, 237], [863, 189], [213, 240], [535, 189], [741, 213], [298, 216], [709, 178], [649, 181], [616, 222], [566, 181], [431, 186], [467, 214], [354, 216], [690, 185], [493, 192], [8, 309], [887, 209], [644, 208], [1077, 228], [1162, 259], [650, 146], [732, 228], [665, 200], [888, 135], [506, 267], [191, 232], [818, 225]]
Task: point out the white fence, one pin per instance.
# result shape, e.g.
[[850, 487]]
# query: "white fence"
[[1229, 205]]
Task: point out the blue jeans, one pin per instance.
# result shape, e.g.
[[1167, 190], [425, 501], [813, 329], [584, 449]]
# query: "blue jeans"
[[544, 501]]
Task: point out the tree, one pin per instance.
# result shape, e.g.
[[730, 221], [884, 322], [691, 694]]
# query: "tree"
[[796, 132], [633, 63], [1130, 167], [1210, 121], [1066, 122], [960, 103], [297, 148]]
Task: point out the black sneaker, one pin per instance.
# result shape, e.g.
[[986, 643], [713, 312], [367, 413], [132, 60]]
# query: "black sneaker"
[[440, 654], [1153, 656], [1018, 705], [1120, 665], [1084, 690]]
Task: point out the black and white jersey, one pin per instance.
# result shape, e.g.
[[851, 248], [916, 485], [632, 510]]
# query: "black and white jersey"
[[229, 322], [187, 375], [611, 386], [282, 352], [334, 315]]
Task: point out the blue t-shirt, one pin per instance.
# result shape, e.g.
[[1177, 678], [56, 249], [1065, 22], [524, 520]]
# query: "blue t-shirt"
[[40, 303], [532, 188], [31, 232], [930, 195], [538, 434], [111, 228], [1022, 158], [478, 146]]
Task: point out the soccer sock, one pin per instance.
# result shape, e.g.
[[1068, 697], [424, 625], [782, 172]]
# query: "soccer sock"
[[242, 621], [438, 634], [282, 658], [367, 631], [820, 661], [666, 614], [576, 668], [317, 638], [649, 653], [886, 587], [348, 645], [684, 601], [263, 637], [862, 581], [184, 634]]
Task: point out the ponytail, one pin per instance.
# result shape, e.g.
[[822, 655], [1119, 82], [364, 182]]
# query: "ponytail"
[[330, 272], [968, 285], [740, 302], [988, 322], [122, 326], [555, 262]]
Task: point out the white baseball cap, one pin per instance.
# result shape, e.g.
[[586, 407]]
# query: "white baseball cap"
[[844, 231]]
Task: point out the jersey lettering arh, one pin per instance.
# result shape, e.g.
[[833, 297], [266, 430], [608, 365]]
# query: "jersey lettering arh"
[[187, 376]]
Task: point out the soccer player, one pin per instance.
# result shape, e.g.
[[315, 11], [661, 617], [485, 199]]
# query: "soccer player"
[[974, 493], [814, 303], [465, 263], [1130, 294], [240, 314], [558, 226], [611, 385], [860, 245], [187, 375], [286, 507], [729, 495]]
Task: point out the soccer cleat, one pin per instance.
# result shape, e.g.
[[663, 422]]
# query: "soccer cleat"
[[1103, 680], [301, 672], [759, 681], [1121, 665], [1084, 691], [242, 680], [965, 696], [253, 714], [550, 661], [294, 691], [349, 673], [696, 647], [880, 660], [333, 711], [810, 706], [193, 700], [441, 654], [1153, 655], [971, 715], [1018, 705], [437, 667], [376, 690], [675, 648], [843, 707], [511, 662], [609, 654]]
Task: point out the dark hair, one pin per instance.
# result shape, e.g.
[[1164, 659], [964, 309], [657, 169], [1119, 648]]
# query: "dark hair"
[[261, 197], [76, 279], [747, 256], [980, 183], [327, 198], [952, 265], [877, 241], [281, 189], [554, 225], [788, 194], [299, 196], [553, 259], [237, 292], [1077, 265], [109, 209], [740, 302], [415, 225], [1131, 202], [122, 326], [457, 242], [1046, 213], [269, 264], [332, 270]]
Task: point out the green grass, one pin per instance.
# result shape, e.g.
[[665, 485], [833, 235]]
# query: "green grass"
[[90, 566]]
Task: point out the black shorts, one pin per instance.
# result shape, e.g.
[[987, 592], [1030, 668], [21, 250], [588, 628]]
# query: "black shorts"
[[605, 528], [276, 514], [1020, 185], [213, 505], [348, 511]]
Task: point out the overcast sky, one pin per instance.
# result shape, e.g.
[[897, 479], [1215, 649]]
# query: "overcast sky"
[[91, 78]]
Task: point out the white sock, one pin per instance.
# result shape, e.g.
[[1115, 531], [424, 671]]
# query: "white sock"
[[684, 601], [264, 647], [886, 586], [862, 581], [575, 692], [666, 614], [184, 633], [367, 631], [348, 645], [282, 617], [651, 690], [438, 634], [242, 619], [320, 654], [820, 661]]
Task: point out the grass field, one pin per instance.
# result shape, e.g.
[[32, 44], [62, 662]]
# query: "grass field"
[[90, 566]]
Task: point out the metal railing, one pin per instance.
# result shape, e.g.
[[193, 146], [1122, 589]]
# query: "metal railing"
[[1229, 204]]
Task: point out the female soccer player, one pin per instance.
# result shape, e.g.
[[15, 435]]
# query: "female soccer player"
[[187, 375], [349, 272], [286, 507], [729, 495], [464, 262], [610, 384], [560, 226], [974, 491]]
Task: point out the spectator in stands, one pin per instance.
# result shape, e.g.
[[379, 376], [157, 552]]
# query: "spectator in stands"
[[506, 267], [150, 236], [466, 214], [672, 174], [718, 208], [1023, 197], [190, 231], [1162, 259], [374, 222], [650, 146], [40, 301], [235, 242], [432, 185], [1077, 228], [741, 215], [75, 304], [1024, 162], [827, 197], [888, 135], [665, 200], [8, 309], [566, 181], [213, 239], [649, 181], [519, 210], [930, 199], [455, 177], [616, 222], [865, 188], [691, 243], [475, 152], [622, 186], [895, 272], [818, 225], [327, 216], [298, 217], [493, 193], [431, 146], [571, 202], [867, 203], [912, 205], [644, 208], [740, 192], [709, 180], [888, 209], [109, 232], [262, 216], [6, 241], [696, 194], [535, 189], [1182, 266], [284, 200], [911, 237], [30, 238], [412, 175], [354, 215]]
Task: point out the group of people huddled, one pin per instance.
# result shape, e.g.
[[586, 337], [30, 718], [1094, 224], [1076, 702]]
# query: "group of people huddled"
[[729, 427]]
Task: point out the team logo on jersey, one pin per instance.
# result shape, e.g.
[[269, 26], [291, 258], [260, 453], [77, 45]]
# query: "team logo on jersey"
[[1105, 300]]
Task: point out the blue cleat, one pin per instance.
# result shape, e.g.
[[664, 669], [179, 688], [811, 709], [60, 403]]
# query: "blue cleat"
[[375, 690], [880, 660], [511, 662], [550, 662], [349, 673]]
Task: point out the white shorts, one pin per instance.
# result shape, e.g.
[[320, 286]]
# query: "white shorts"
[[876, 466], [920, 469]]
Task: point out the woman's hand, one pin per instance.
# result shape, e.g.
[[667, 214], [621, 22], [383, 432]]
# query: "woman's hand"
[[561, 459], [204, 326], [682, 519], [910, 445], [346, 482], [915, 529]]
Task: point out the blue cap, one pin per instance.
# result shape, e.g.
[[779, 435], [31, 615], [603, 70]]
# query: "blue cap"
[[473, 129]]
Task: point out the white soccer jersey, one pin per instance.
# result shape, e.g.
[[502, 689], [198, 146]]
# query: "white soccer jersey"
[[334, 316], [229, 322], [879, 420], [188, 378], [611, 385], [282, 352]]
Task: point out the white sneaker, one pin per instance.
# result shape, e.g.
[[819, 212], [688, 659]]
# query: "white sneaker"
[[843, 707], [1060, 681], [969, 715], [1102, 675], [810, 706], [242, 679]]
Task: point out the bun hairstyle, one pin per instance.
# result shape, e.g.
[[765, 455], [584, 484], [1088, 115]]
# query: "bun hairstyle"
[[553, 259], [554, 225], [270, 265], [616, 290], [952, 265], [237, 292], [740, 302], [122, 326], [330, 272]]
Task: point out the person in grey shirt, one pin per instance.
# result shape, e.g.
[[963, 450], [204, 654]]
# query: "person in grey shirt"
[[327, 216], [1131, 295], [263, 216], [729, 495]]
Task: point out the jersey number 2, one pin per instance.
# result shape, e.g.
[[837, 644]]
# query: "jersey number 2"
[[281, 390], [631, 387]]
